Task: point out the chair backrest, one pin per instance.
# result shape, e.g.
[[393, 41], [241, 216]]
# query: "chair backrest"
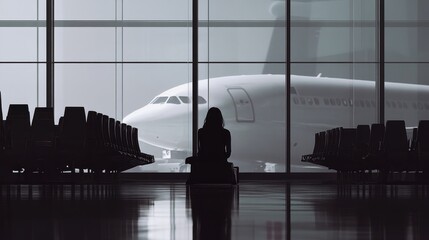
[[423, 136], [113, 139], [18, 111], [413, 140], [334, 141], [395, 137], [118, 133], [135, 139], [130, 139], [43, 127], [322, 143], [347, 142], [17, 126], [105, 130], [125, 141], [376, 137], [316, 142], [73, 132], [91, 129], [329, 137], [363, 134], [60, 125], [2, 134]]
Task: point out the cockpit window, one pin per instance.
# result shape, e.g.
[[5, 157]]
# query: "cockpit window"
[[153, 100], [159, 100], [201, 100], [185, 99], [173, 100]]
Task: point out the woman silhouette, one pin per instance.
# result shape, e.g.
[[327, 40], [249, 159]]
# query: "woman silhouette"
[[214, 141]]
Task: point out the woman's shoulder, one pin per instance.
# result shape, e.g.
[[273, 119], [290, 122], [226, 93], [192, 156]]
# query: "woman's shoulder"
[[226, 131]]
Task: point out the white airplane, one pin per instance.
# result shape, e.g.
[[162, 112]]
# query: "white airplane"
[[254, 110]]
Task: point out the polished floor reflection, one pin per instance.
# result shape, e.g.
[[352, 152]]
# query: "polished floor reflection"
[[271, 210]]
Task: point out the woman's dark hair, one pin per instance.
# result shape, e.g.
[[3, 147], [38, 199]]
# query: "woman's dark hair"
[[214, 118]]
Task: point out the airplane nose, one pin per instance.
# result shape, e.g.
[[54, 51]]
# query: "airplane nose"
[[141, 119], [161, 126]]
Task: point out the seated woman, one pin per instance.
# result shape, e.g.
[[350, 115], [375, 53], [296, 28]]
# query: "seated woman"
[[214, 141], [214, 148]]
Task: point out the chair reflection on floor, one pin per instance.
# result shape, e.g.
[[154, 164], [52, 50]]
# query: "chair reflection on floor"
[[82, 211], [212, 206]]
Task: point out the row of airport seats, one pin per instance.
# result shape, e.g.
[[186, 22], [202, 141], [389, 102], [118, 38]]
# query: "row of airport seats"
[[384, 148], [94, 143]]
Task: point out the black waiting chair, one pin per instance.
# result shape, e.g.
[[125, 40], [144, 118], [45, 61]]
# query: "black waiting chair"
[[42, 140], [17, 134], [145, 158], [92, 140], [71, 141], [422, 147], [331, 148], [394, 147], [311, 157], [2, 137], [344, 159], [361, 149], [372, 160], [212, 173]]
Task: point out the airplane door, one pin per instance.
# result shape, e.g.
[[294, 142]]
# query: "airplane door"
[[243, 105]]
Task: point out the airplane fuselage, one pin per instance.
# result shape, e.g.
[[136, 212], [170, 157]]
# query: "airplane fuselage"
[[254, 110]]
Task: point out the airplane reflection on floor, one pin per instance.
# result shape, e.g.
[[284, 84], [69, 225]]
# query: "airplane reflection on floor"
[[360, 212], [271, 210]]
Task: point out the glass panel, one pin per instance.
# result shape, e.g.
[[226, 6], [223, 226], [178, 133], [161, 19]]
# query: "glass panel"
[[244, 31], [14, 10], [406, 94], [41, 54], [157, 44], [252, 43], [406, 34], [42, 85], [255, 115], [85, 44], [252, 101], [165, 130], [157, 9], [18, 44], [333, 44], [333, 31], [85, 9], [19, 85], [407, 44], [410, 10], [329, 95], [90, 85], [42, 9], [343, 96], [333, 10], [243, 10]]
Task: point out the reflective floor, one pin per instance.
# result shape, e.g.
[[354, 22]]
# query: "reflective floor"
[[252, 210]]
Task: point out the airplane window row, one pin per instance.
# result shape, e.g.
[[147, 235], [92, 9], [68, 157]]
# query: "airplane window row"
[[357, 103], [175, 100]]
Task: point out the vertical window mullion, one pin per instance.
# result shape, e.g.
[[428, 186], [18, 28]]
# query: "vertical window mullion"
[[195, 20], [288, 85], [50, 61], [381, 77]]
